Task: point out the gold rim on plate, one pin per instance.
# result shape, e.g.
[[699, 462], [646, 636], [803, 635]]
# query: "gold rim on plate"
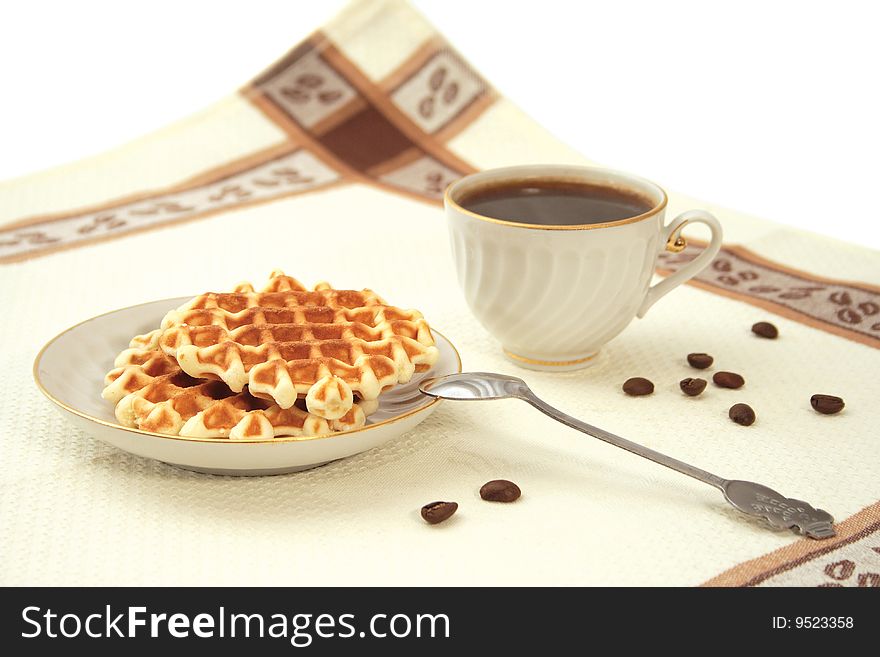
[[227, 441]]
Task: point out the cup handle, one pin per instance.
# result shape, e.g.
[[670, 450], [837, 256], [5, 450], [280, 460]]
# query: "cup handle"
[[672, 240]]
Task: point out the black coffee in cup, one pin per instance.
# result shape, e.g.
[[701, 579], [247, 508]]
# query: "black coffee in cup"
[[554, 202]]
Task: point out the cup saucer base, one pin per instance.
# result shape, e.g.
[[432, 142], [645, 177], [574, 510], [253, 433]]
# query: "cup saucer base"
[[543, 365]]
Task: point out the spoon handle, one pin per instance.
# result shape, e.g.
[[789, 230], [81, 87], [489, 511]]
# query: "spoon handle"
[[623, 443]]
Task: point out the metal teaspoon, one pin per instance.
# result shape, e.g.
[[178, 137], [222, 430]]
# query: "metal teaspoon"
[[747, 496]]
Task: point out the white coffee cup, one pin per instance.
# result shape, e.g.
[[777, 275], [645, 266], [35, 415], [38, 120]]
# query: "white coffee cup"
[[553, 295]]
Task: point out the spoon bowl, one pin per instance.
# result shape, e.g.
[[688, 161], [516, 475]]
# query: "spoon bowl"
[[473, 386]]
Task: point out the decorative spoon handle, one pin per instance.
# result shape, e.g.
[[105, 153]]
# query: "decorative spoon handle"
[[747, 496], [623, 443]]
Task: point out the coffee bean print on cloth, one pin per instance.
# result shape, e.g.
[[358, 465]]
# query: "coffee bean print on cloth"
[[308, 89], [25, 237], [845, 573], [855, 311], [426, 177], [103, 221], [839, 307], [439, 91], [286, 174]]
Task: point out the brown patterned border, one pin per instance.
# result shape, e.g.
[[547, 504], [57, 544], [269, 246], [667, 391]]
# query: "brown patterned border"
[[850, 310], [806, 554], [358, 133], [389, 133], [270, 175]]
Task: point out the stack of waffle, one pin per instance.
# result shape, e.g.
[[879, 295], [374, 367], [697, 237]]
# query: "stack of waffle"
[[282, 361]]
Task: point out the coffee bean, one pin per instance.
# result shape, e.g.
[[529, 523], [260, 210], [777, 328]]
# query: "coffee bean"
[[637, 386], [765, 330], [827, 404], [436, 512], [701, 361], [500, 490], [742, 414], [728, 380], [692, 387]]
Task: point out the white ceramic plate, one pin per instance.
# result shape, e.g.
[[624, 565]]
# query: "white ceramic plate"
[[70, 371]]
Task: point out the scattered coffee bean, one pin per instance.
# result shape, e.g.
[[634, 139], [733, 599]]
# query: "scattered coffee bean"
[[728, 380], [436, 512], [742, 414], [700, 361], [765, 330], [500, 490], [637, 386], [692, 387], [827, 404]]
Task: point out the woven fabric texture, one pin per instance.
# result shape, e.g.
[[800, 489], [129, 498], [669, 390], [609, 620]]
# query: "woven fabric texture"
[[284, 174]]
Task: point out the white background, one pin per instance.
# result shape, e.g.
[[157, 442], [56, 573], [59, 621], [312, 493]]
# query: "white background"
[[770, 107]]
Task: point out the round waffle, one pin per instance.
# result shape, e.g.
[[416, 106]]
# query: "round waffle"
[[285, 343], [152, 393]]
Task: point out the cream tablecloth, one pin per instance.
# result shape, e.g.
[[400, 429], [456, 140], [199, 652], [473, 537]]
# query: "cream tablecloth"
[[330, 165]]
